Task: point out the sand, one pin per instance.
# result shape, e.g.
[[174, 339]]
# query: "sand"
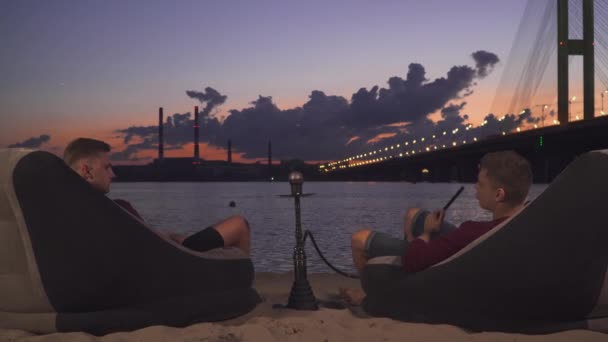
[[266, 323]]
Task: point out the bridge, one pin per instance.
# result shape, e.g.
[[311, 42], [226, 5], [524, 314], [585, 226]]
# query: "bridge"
[[548, 149], [454, 156]]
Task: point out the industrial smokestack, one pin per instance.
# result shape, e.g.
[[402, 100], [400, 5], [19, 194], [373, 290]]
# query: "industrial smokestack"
[[270, 160], [269, 152], [229, 151], [161, 147], [196, 154]]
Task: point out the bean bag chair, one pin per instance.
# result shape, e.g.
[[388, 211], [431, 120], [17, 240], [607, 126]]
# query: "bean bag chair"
[[543, 270], [73, 260]]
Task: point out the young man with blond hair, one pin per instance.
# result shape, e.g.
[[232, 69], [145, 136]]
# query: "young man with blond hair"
[[503, 183]]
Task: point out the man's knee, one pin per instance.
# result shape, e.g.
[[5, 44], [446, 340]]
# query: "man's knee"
[[359, 238], [239, 221], [410, 213]]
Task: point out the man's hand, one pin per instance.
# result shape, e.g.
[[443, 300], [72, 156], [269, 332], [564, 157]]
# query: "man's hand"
[[408, 222], [433, 221]]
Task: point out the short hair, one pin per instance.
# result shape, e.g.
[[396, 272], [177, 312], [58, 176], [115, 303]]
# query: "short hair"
[[81, 148], [510, 171]]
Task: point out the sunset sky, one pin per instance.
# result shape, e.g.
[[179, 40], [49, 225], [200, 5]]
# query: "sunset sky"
[[93, 68]]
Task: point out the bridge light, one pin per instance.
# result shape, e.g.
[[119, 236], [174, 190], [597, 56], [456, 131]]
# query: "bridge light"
[[400, 154], [454, 143], [398, 145], [406, 143], [425, 170], [443, 132], [422, 139], [386, 148], [519, 130], [435, 147], [443, 146], [503, 133], [392, 147], [475, 139], [414, 142], [535, 126], [464, 141], [428, 149]]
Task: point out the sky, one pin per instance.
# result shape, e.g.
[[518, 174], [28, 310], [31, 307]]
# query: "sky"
[[301, 74]]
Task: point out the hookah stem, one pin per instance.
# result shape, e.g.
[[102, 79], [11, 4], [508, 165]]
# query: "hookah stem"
[[299, 239]]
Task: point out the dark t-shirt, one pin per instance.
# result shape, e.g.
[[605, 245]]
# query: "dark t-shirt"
[[127, 206], [421, 255]]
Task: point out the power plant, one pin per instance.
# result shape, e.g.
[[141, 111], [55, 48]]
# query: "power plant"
[[195, 168]]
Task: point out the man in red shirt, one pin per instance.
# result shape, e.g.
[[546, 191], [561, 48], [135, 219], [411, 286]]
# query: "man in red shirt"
[[90, 158], [503, 182]]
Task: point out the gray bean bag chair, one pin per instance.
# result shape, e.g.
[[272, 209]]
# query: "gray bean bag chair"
[[73, 260], [541, 271]]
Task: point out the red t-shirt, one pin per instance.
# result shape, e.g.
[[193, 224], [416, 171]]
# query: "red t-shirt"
[[420, 255]]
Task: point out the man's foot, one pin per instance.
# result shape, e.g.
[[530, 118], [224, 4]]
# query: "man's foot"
[[352, 296]]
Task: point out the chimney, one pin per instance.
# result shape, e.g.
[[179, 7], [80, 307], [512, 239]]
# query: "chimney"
[[269, 153], [270, 160], [229, 151], [161, 147], [196, 154]]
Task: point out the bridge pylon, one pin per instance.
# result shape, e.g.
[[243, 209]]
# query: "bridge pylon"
[[567, 47]]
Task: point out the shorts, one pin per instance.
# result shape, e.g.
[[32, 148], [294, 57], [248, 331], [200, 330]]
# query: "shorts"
[[382, 244], [206, 239]]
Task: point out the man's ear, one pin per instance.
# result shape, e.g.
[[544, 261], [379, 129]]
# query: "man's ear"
[[500, 195], [84, 170]]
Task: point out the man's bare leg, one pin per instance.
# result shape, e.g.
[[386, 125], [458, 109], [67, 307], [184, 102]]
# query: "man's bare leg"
[[358, 241], [235, 232]]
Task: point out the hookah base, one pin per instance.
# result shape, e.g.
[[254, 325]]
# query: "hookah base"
[[300, 297]]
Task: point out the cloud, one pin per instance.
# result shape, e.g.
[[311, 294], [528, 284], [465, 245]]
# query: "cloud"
[[211, 98], [34, 142], [328, 126], [485, 62]]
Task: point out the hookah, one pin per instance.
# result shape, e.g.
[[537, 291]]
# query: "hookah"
[[301, 296]]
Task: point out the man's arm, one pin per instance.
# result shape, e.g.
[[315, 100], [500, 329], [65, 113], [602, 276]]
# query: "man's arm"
[[423, 252]]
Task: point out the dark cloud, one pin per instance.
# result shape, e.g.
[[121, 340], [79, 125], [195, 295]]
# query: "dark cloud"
[[327, 126], [484, 62], [34, 142], [211, 98]]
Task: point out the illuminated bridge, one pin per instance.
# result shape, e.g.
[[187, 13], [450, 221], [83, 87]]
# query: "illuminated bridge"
[[556, 135]]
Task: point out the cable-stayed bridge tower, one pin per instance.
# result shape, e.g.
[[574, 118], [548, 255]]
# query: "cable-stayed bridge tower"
[[567, 47]]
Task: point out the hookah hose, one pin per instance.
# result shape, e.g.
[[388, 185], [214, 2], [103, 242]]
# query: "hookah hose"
[[314, 243], [355, 276]]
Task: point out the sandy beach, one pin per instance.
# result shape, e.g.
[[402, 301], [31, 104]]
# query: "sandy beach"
[[268, 324]]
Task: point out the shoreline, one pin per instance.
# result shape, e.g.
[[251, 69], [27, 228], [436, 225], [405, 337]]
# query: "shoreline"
[[265, 323]]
